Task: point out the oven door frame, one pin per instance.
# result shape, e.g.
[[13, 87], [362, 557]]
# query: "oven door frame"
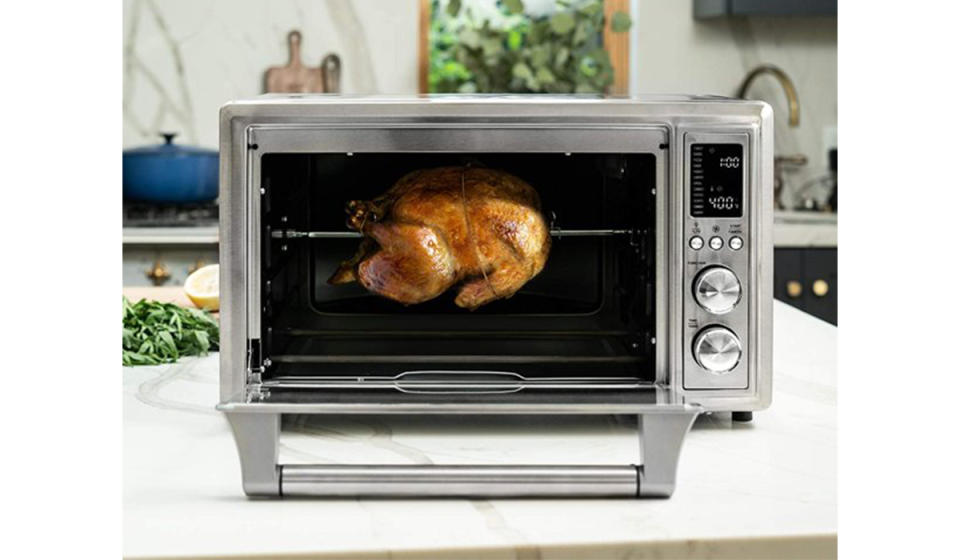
[[240, 225]]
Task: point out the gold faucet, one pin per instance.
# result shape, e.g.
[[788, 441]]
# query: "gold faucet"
[[785, 82]]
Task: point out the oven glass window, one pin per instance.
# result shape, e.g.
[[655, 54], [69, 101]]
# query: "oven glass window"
[[589, 312]]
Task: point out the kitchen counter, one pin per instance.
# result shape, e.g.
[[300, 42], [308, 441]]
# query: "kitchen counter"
[[759, 490], [804, 229]]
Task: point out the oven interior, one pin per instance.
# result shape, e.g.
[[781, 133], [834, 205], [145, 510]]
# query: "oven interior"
[[586, 321]]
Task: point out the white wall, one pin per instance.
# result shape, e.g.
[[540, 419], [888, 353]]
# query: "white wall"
[[224, 47]]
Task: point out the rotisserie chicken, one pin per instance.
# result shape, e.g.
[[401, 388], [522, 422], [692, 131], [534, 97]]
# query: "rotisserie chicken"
[[479, 229]]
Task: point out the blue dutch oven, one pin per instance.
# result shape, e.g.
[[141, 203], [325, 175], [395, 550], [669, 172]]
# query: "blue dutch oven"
[[170, 173]]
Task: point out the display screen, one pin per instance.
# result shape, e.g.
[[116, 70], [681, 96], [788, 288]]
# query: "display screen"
[[716, 180]]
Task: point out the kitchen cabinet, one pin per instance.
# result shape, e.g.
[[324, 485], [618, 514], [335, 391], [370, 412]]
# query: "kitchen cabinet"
[[806, 278], [165, 256], [705, 9]]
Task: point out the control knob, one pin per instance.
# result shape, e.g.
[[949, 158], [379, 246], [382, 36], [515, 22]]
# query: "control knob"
[[717, 349], [717, 289]]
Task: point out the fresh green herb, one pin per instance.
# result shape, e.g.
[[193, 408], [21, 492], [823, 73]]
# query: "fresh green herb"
[[475, 48], [159, 333]]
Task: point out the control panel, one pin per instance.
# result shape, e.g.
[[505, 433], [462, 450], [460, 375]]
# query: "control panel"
[[716, 257]]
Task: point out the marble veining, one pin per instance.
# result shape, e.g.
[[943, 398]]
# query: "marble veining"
[[184, 59], [180, 109], [347, 23], [148, 392]]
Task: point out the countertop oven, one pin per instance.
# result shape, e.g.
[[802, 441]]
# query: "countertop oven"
[[655, 300]]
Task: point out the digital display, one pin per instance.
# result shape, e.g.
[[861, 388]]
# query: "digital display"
[[716, 180]]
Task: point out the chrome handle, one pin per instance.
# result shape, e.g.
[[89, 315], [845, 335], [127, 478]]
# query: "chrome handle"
[[464, 481], [258, 434]]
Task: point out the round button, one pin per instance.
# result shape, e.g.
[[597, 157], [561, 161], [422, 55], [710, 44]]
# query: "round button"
[[696, 243], [716, 243], [717, 349], [717, 289], [736, 242]]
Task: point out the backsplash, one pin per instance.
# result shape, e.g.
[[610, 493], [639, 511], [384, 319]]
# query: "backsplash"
[[672, 52], [184, 58]]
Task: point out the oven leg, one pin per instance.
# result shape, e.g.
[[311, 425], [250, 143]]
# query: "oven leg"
[[661, 438], [258, 437], [741, 416]]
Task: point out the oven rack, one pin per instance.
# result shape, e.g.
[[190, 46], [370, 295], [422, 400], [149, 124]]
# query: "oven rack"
[[453, 381], [554, 232]]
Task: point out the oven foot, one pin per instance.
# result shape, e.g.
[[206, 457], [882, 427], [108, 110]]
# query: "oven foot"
[[661, 438], [741, 416], [258, 437]]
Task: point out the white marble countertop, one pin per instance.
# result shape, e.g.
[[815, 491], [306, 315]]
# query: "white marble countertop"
[[765, 489], [804, 229]]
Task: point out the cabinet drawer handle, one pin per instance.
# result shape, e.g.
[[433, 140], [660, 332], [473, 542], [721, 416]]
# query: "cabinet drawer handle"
[[158, 273], [794, 289], [820, 288]]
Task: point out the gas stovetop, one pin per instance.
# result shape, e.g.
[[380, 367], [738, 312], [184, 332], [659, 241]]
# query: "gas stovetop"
[[148, 215]]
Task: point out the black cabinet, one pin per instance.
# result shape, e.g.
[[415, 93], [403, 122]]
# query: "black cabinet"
[[806, 278], [704, 9]]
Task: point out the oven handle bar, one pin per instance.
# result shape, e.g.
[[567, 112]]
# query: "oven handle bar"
[[459, 481], [662, 432]]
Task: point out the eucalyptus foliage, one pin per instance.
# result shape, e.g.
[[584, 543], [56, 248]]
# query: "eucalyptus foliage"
[[557, 53]]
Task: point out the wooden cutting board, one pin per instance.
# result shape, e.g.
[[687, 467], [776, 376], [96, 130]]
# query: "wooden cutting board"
[[294, 77], [165, 294]]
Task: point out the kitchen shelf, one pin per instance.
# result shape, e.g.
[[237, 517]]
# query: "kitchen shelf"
[[708, 9]]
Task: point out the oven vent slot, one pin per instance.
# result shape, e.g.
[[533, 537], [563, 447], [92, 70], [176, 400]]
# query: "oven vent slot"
[[455, 381]]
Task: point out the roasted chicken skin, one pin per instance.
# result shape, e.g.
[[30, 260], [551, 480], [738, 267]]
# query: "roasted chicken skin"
[[479, 229]]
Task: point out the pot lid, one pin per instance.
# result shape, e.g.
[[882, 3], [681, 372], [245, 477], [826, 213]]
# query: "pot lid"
[[168, 148]]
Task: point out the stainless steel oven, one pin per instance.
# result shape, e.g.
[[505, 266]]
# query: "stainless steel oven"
[[655, 300]]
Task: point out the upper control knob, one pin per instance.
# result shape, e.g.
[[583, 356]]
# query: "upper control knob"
[[717, 289], [717, 349]]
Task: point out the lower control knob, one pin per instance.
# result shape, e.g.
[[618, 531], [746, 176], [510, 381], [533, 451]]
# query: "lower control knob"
[[717, 349]]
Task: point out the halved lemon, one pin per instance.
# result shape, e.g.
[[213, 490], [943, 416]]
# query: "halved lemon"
[[203, 287]]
